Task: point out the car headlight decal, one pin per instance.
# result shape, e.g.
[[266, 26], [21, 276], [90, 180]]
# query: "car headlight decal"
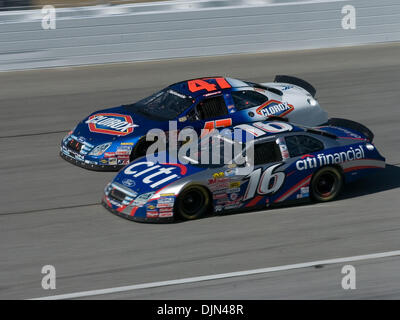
[[100, 149]]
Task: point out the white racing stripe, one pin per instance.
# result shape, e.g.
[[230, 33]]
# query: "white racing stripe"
[[219, 276]]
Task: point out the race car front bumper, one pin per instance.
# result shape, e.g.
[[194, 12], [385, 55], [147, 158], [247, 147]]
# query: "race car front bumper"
[[135, 218], [87, 164]]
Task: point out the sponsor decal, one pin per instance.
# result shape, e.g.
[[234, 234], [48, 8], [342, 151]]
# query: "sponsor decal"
[[211, 93], [218, 175], [309, 161], [274, 108], [113, 161], [165, 202], [218, 184], [220, 196], [234, 196], [109, 155], [128, 182], [149, 170], [283, 148], [235, 184], [151, 214], [230, 172], [166, 214], [123, 151], [165, 205], [167, 194], [123, 157], [123, 161], [304, 192], [111, 123]]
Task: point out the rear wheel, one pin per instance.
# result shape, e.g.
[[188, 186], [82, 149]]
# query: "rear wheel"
[[326, 184], [192, 203]]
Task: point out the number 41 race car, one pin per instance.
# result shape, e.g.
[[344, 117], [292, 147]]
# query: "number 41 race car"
[[109, 139], [289, 163]]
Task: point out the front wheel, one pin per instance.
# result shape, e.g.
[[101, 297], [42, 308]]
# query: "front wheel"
[[326, 184], [192, 203]]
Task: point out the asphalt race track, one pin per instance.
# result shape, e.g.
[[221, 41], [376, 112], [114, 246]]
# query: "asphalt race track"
[[50, 210]]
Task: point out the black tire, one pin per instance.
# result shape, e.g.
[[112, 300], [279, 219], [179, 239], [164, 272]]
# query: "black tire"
[[192, 203], [326, 184], [140, 149]]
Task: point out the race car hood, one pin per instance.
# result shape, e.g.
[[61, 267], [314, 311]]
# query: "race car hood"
[[109, 124], [143, 176]]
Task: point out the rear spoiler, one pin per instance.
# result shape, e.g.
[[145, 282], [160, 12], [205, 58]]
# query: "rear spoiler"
[[352, 125], [297, 82]]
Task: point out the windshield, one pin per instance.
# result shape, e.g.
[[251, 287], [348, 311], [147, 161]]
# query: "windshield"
[[164, 105]]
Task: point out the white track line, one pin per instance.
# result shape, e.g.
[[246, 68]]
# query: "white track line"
[[219, 276]]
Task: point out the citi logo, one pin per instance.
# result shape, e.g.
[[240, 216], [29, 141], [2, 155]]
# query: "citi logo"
[[309, 161], [151, 171]]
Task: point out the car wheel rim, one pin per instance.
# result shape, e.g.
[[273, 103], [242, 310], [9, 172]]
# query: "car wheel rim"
[[192, 202], [326, 185]]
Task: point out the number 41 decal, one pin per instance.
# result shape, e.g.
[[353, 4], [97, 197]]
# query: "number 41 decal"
[[202, 84], [265, 183]]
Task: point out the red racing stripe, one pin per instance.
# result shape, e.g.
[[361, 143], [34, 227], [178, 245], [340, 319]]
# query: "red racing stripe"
[[254, 201], [292, 190]]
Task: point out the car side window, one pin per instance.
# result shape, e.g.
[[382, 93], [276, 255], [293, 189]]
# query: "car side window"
[[247, 99], [211, 108], [266, 152], [299, 145]]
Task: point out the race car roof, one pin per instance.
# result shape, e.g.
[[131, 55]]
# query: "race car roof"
[[206, 85]]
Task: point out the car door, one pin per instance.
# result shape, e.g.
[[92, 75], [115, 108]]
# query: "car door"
[[208, 113], [265, 179]]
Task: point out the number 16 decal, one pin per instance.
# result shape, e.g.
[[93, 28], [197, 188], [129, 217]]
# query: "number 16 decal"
[[265, 183]]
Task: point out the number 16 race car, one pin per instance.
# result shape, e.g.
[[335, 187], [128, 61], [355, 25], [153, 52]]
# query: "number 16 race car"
[[109, 139], [288, 163]]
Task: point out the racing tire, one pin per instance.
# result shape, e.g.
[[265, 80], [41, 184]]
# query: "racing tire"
[[326, 184], [192, 203], [140, 149]]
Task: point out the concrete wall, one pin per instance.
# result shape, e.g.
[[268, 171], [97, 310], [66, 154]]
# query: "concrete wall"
[[172, 29]]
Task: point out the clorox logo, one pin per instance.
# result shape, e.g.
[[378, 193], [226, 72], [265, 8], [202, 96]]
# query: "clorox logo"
[[274, 108], [111, 123]]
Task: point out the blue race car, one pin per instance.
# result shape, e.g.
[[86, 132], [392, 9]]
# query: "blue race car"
[[288, 163], [109, 139]]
